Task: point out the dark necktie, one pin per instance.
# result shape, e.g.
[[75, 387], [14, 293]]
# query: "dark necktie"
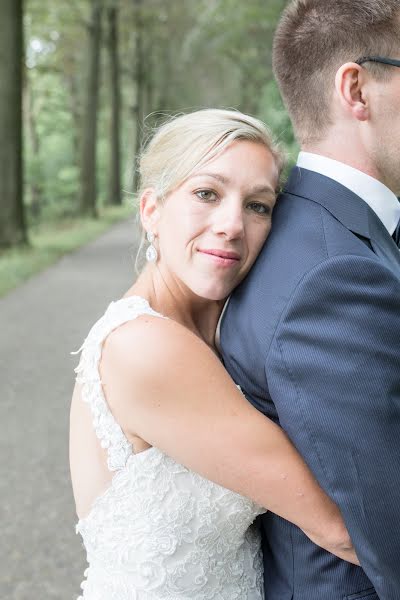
[[396, 234]]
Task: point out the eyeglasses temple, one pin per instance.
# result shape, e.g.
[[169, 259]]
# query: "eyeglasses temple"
[[378, 59]]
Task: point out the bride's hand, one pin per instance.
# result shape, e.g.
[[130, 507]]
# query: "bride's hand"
[[335, 539]]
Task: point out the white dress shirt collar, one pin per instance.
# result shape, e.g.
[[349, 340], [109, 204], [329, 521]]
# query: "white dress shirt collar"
[[218, 330], [382, 200]]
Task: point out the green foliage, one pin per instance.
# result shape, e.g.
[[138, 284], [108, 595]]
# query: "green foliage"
[[273, 112], [195, 54]]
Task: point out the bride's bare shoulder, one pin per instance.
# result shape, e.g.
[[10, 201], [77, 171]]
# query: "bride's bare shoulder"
[[150, 343]]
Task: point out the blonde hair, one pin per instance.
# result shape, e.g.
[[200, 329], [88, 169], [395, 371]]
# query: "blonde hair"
[[186, 142]]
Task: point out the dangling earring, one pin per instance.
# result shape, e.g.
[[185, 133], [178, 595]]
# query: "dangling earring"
[[151, 252]]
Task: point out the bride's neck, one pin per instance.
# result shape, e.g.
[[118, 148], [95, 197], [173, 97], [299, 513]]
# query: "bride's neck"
[[199, 315]]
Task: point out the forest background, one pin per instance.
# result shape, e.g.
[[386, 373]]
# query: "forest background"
[[82, 85]]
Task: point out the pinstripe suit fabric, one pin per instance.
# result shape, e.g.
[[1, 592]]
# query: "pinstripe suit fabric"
[[313, 338]]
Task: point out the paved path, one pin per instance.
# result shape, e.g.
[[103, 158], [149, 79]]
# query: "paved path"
[[41, 557]]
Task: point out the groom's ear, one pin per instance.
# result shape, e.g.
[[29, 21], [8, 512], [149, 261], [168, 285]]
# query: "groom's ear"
[[149, 210], [351, 90]]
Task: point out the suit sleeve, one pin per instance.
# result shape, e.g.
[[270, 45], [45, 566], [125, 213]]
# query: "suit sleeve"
[[333, 371]]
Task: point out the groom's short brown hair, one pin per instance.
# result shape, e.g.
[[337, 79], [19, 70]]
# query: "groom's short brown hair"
[[314, 38]]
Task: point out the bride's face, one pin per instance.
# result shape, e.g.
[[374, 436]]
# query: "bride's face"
[[212, 227]]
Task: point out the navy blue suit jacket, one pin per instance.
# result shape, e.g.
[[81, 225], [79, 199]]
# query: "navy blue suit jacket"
[[313, 338]]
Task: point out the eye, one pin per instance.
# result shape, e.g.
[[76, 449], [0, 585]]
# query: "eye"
[[260, 208], [206, 195]]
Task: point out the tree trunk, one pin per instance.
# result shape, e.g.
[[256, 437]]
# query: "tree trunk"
[[76, 110], [12, 218], [89, 126], [138, 82], [148, 101], [164, 87], [35, 187], [114, 186]]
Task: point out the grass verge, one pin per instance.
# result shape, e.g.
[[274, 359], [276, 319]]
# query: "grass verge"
[[49, 242]]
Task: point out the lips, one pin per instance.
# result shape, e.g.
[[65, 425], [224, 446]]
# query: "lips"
[[222, 258], [222, 254]]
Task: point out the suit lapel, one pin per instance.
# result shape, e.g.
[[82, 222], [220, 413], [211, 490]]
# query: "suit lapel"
[[348, 208]]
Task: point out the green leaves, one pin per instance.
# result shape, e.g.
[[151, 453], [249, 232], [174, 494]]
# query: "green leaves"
[[195, 54]]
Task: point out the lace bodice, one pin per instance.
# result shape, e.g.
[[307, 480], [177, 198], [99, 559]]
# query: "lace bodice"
[[160, 531]]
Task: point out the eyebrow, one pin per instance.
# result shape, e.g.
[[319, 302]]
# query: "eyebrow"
[[262, 189]]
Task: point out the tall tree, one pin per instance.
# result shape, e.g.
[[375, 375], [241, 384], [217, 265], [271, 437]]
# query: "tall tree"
[[88, 191], [72, 85], [114, 185], [12, 220], [138, 76], [35, 187]]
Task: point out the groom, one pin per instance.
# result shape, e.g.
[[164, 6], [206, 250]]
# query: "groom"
[[313, 334]]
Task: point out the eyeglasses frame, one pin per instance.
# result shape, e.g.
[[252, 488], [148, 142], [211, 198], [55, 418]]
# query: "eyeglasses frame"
[[378, 59]]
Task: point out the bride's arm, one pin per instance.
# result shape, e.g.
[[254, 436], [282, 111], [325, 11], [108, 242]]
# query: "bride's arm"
[[166, 386]]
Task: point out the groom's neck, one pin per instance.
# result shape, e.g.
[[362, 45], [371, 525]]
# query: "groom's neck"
[[345, 149]]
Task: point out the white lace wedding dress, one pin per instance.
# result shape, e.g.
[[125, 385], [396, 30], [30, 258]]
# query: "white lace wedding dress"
[[160, 531]]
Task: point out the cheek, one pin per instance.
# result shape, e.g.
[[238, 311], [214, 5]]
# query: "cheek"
[[176, 238]]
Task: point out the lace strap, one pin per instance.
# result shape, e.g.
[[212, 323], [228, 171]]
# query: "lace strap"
[[107, 429]]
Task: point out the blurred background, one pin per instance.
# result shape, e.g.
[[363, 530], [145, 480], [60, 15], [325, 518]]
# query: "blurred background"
[[82, 85], [83, 82]]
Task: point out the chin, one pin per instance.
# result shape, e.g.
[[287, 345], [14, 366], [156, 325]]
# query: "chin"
[[213, 294], [213, 288]]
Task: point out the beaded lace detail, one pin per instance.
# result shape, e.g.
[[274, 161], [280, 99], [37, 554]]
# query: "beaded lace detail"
[[160, 531], [107, 429]]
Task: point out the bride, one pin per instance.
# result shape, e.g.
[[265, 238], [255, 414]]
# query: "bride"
[[170, 464]]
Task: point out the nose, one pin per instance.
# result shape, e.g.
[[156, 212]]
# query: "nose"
[[229, 220]]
